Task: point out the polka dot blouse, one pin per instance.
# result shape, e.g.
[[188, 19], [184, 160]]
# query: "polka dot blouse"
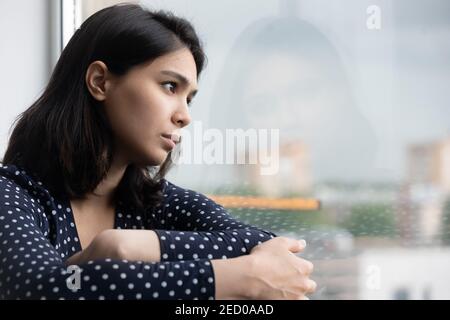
[[38, 233]]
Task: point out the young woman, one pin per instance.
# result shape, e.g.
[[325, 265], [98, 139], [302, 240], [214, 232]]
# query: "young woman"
[[82, 181]]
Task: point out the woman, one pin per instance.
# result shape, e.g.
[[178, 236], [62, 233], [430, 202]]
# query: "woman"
[[75, 186]]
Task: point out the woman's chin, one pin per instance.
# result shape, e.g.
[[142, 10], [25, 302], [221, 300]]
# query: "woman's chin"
[[151, 158], [157, 159]]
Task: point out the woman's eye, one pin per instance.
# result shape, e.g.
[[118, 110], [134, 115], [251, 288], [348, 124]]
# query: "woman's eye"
[[171, 86]]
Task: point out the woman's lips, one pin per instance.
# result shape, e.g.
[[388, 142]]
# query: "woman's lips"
[[175, 137], [171, 139]]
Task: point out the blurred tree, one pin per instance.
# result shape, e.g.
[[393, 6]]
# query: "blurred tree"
[[371, 220], [242, 190], [282, 220]]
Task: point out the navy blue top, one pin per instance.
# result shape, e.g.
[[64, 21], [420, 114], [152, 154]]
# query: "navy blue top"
[[38, 233]]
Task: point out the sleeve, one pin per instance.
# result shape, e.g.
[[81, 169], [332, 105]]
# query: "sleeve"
[[206, 230], [31, 268]]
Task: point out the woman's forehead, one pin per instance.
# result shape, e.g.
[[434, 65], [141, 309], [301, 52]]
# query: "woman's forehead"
[[180, 61]]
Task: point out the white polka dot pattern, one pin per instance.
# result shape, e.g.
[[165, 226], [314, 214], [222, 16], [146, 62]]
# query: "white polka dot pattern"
[[38, 233]]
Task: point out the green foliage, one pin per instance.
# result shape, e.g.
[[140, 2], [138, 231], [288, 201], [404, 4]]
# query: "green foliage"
[[241, 190], [276, 220], [371, 220]]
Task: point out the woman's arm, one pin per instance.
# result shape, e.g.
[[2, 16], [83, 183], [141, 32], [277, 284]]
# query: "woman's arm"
[[123, 244], [192, 226], [32, 268], [188, 210], [270, 271]]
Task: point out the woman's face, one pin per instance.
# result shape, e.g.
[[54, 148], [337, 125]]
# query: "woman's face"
[[148, 102]]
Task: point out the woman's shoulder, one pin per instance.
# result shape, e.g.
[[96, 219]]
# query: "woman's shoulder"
[[175, 194], [16, 180], [170, 189]]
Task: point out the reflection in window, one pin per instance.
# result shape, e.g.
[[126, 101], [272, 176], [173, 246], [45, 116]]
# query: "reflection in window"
[[364, 128]]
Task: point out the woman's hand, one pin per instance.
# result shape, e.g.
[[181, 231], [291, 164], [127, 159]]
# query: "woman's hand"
[[120, 244], [270, 272], [278, 273]]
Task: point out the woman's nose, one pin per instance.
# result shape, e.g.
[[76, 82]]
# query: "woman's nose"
[[182, 117]]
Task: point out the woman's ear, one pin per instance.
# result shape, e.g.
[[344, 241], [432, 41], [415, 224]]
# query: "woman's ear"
[[97, 80]]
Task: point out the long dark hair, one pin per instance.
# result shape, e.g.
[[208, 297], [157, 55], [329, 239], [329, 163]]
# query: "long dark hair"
[[64, 138]]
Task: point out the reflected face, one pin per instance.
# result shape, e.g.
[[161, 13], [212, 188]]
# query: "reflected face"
[[150, 102], [294, 92], [308, 101]]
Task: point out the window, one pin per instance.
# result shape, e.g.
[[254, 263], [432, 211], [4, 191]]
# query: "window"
[[351, 102]]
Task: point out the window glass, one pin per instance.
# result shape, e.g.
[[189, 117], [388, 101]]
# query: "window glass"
[[344, 133]]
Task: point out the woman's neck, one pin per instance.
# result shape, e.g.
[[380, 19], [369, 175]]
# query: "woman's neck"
[[103, 195]]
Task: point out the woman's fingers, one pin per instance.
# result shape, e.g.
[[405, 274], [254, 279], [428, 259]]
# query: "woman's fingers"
[[312, 285], [308, 266], [295, 245], [281, 268]]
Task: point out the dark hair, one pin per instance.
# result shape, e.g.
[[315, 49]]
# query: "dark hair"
[[64, 138]]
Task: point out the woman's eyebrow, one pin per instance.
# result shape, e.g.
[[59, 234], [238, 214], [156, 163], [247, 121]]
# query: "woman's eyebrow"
[[180, 78]]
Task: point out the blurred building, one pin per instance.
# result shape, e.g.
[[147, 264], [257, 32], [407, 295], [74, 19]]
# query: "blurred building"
[[429, 164], [293, 178], [426, 188]]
